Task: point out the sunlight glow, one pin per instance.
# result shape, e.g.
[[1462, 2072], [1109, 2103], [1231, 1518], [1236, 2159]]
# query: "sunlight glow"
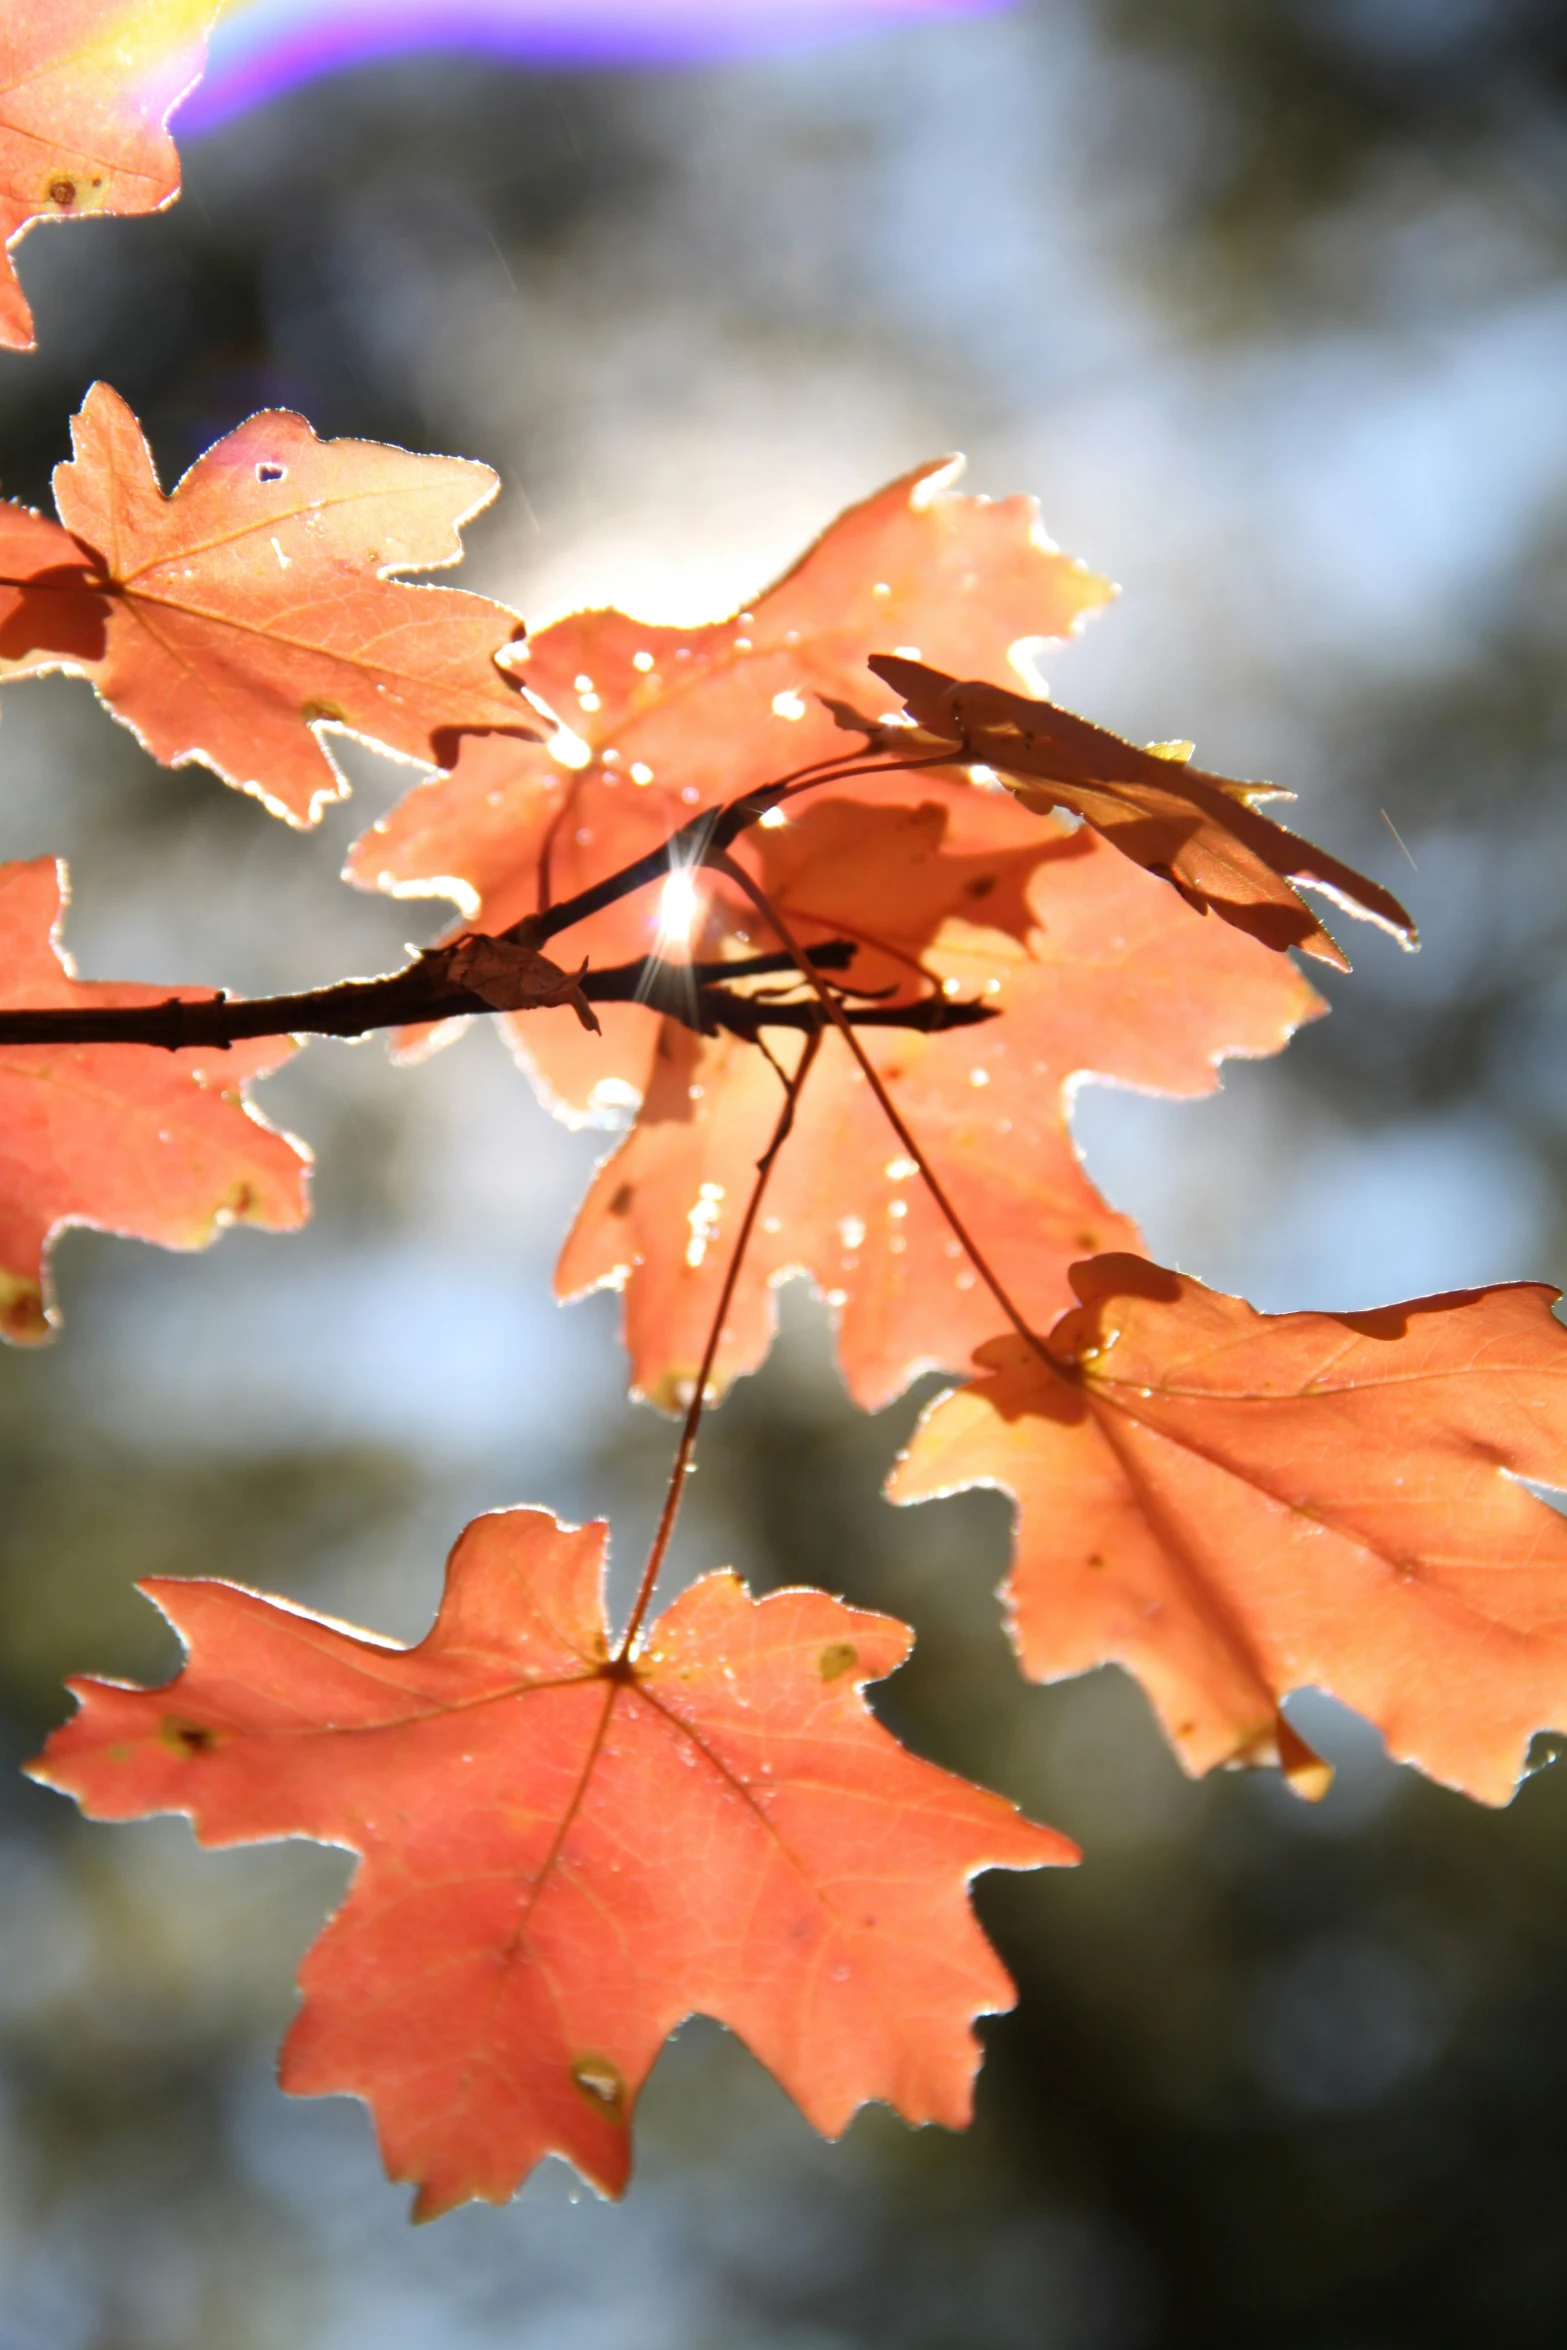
[[679, 910]]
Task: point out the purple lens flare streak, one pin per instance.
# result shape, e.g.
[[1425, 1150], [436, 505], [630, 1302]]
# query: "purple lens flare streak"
[[263, 47]]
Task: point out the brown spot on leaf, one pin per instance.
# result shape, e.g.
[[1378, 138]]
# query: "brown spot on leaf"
[[62, 193], [313, 712], [186, 1737], [837, 1658], [22, 1317], [620, 1205]]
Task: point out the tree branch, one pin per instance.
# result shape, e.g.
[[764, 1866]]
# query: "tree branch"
[[700, 995], [423, 991]]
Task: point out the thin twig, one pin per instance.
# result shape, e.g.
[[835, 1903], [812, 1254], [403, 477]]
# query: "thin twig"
[[710, 829], [726, 864], [693, 1419]]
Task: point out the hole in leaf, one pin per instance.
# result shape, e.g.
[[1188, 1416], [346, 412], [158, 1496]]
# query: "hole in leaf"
[[601, 2083]]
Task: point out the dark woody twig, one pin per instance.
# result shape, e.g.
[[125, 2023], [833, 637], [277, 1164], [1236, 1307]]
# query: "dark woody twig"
[[701, 995]]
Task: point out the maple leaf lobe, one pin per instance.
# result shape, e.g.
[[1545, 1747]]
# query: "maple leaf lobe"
[[672, 720], [132, 1139], [1092, 968], [560, 1860], [230, 620], [1237, 1505], [86, 90], [1203, 834]]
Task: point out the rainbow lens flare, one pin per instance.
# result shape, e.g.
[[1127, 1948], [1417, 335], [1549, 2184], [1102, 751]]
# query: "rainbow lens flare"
[[262, 47]]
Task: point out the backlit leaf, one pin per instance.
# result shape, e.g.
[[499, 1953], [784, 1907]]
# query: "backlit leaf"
[[1202, 832], [1235, 1505], [562, 1859], [232, 620], [128, 1138], [86, 87], [1089, 965], [670, 720]]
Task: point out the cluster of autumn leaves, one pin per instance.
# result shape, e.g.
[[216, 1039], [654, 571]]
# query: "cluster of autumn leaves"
[[570, 1842]]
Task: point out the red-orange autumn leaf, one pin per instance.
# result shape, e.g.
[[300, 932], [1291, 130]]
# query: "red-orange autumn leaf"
[[1202, 832], [86, 87], [1090, 965], [563, 1858], [128, 1138], [1235, 1505], [675, 719], [255, 604]]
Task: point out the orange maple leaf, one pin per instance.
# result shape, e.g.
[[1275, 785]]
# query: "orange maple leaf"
[[1091, 967], [234, 619], [127, 1138], [670, 720], [1202, 832], [86, 87], [563, 1856], [1235, 1505]]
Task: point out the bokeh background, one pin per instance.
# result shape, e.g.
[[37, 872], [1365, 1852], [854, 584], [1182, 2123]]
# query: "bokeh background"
[[1266, 300]]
